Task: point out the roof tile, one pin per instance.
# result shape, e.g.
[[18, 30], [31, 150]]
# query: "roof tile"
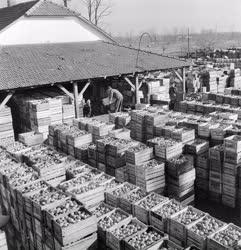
[[35, 65]]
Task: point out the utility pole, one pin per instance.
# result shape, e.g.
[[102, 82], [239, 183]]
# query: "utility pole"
[[188, 43]]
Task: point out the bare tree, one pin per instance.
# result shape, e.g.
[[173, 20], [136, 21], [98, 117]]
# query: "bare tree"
[[97, 10]]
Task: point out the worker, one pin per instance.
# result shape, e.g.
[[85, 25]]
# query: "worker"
[[115, 94], [87, 109], [173, 96], [146, 92]]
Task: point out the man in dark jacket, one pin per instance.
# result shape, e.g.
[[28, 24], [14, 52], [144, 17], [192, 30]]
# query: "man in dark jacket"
[[172, 95]]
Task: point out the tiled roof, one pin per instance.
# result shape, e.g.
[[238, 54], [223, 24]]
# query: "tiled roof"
[[10, 14], [48, 8], [44, 8], [35, 65]]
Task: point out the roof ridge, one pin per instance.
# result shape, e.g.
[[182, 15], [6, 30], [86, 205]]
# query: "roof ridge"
[[148, 52]]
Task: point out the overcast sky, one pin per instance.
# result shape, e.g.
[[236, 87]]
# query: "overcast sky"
[[166, 15]]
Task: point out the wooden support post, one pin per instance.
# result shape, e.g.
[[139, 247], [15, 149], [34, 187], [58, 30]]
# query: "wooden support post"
[[130, 83], [60, 86], [137, 90], [76, 97], [84, 89], [184, 82], [178, 75], [6, 99]]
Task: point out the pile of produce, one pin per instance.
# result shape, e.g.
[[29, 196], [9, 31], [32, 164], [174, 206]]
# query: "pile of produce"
[[135, 195], [228, 237], [151, 201], [189, 216], [127, 230], [207, 226], [169, 209], [144, 239], [47, 196], [73, 218], [101, 210], [109, 221], [64, 208]]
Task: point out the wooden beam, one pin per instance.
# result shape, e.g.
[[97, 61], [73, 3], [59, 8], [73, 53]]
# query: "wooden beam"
[[130, 83], [137, 90], [76, 97], [140, 85], [60, 86], [6, 99], [84, 89], [178, 75]]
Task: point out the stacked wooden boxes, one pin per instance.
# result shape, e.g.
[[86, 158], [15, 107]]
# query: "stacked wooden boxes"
[[116, 154], [120, 119], [138, 125], [200, 149], [198, 234], [181, 176], [216, 156], [117, 235], [231, 165], [60, 233], [160, 215], [143, 207], [77, 138], [136, 156], [181, 222], [167, 148], [40, 116], [157, 239], [226, 238], [49, 164], [6, 126], [55, 108], [92, 155], [150, 176], [101, 147], [151, 120], [116, 218]]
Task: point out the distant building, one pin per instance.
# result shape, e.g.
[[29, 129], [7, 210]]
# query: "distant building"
[[38, 22]]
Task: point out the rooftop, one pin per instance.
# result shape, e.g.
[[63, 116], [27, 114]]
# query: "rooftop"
[[35, 65]]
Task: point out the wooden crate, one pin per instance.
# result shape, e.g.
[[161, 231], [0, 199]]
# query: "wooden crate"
[[217, 153], [112, 197], [31, 138], [154, 246], [160, 219], [91, 197], [37, 208], [127, 202], [102, 233], [50, 213], [167, 244], [100, 208], [197, 147], [142, 208], [178, 230], [168, 152], [231, 157], [179, 165], [198, 240], [77, 231], [233, 143], [116, 243], [89, 242], [137, 158], [214, 244]]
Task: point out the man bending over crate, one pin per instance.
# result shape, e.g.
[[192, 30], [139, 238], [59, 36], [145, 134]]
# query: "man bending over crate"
[[115, 94]]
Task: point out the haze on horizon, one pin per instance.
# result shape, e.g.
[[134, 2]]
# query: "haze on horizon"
[[166, 16]]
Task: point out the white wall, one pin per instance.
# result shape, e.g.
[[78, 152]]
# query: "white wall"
[[3, 3], [31, 30]]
